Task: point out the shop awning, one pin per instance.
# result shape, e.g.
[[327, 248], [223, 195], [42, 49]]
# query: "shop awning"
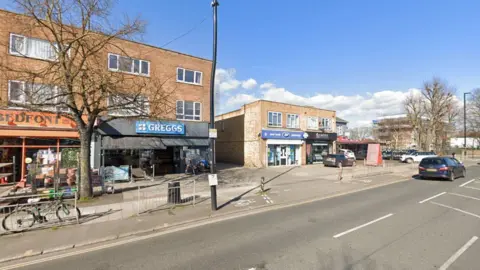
[[185, 142], [132, 143]]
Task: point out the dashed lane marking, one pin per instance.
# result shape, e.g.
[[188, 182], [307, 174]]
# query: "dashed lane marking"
[[433, 197], [457, 254]]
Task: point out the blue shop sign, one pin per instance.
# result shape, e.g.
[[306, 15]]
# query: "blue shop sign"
[[285, 135], [159, 127]]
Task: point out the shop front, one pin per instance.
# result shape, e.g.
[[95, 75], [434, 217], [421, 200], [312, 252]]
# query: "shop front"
[[319, 145], [284, 148], [149, 147], [48, 139]]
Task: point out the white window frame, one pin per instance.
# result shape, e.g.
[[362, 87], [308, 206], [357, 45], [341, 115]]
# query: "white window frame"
[[139, 73], [309, 121], [194, 76], [123, 111], [279, 117], [297, 120], [183, 111], [326, 123], [24, 53], [24, 100]]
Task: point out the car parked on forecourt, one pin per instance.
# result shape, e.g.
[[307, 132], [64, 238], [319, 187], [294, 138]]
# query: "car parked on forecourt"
[[348, 153], [338, 160], [416, 157], [441, 167]]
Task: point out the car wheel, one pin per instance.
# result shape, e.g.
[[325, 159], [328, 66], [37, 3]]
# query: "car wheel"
[[464, 173], [452, 176], [409, 160]]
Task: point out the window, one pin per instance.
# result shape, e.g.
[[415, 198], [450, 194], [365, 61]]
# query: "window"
[[32, 47], [293, 121], [274, 119], [312, 123], [129, 65], [188, 110], [124, 105], [326, 123], [189, 76], [21, 93]]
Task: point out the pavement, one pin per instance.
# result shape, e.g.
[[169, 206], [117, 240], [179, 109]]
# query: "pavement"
[[296, 237]]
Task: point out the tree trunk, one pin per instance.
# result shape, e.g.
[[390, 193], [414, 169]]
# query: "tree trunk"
[[86, 189]]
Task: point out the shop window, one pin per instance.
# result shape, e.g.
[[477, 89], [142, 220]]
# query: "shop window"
[[188, 110], [129, 65], [189, 76], [293, 121], [312, 123], [32, 47], [125, 105], [274, 119]]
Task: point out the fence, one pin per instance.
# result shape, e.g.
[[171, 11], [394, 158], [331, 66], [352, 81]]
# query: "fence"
[[29, 212]]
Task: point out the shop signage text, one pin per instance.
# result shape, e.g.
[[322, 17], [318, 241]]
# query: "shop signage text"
[[159, 127], [286, 135], [322, 136], [34, 119]]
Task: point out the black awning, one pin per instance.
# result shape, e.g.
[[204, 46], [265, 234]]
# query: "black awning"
[[132, 143], [185, 142]]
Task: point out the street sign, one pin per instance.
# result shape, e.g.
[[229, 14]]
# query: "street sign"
[[212, 133], [212, 179]]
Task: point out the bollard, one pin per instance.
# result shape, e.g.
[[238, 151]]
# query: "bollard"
[[262, 184], [138, 201], [194, 192], [340, 172]]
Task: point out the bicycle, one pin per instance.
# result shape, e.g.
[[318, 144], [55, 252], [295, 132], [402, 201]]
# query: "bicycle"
[[25, 216]]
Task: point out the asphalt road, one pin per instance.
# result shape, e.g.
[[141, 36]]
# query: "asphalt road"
[[382, 228]]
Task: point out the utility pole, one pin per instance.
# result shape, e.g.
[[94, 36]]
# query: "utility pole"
[[213, 185], [465, 120]]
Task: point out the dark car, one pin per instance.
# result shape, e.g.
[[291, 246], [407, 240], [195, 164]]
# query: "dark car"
[[441, 167], [338, 160]]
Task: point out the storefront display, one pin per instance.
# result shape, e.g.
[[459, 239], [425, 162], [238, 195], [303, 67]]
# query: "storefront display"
[[319, 145], [283, 147]]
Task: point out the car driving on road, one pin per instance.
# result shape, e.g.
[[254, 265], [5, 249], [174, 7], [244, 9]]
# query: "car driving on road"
[[441, 167]]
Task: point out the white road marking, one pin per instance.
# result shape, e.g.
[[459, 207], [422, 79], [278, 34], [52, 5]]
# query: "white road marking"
[[473, 188], [433, 197], [458, 253], [465, 196], [456, 209], [363, 225], [466, 183]]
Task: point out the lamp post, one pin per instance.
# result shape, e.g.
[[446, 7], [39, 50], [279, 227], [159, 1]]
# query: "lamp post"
[[213, 187], [465, 120]]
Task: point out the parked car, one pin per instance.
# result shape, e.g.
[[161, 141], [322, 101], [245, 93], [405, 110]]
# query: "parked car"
[[416, 157], [338, 160], [348, 153], [441, 167]]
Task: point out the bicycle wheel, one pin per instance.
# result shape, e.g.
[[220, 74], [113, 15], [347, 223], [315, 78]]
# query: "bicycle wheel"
[[67, 212], [18, 220]]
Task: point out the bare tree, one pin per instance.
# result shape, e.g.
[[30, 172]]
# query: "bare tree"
[[438, 97], [415, 107], [360, 133], [75, 81]]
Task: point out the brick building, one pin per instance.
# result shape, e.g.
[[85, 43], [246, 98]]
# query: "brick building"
[[45, 136], [395, 131], [266, 133]]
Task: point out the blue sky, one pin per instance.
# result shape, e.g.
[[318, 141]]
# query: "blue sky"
[[357, 57]]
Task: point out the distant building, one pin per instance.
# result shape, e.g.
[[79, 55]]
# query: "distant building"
[[395, 131], [266, 133], [342, 127]]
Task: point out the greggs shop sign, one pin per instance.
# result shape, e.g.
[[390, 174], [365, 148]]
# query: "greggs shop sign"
[[34, 119]]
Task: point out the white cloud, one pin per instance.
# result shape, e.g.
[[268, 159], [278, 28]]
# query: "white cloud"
[[249, 84], [358, 109], [267, 85], [239, 100]]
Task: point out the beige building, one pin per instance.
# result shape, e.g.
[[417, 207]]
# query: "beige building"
[[266, 133], [395, 131]]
